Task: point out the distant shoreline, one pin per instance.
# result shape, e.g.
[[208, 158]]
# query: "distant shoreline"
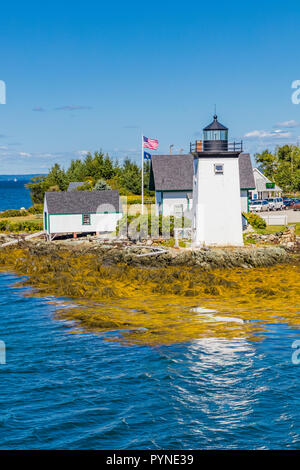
[[22, 175]]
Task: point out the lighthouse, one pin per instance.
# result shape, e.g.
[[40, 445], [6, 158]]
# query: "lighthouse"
[[217, 218]]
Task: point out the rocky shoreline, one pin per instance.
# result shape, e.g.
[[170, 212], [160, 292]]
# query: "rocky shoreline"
[[151, 299], [115, 252]]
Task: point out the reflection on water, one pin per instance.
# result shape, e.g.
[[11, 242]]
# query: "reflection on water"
[[218, 390], [206, 314]]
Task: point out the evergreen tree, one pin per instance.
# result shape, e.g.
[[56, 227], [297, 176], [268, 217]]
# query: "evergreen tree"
[[130, 177], [125, 177]]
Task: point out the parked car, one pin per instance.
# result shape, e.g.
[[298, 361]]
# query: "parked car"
[[258, 205], [296, 206], [294, 200], [287, 202], [275, 203]]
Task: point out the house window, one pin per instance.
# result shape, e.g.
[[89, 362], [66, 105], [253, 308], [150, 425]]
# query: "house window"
[[86, 219], [219, 169]]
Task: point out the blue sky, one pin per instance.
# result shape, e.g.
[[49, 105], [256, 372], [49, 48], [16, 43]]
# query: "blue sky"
[[84, 76]]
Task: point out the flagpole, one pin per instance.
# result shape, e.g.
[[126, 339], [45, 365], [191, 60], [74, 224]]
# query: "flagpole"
[[142, 173]]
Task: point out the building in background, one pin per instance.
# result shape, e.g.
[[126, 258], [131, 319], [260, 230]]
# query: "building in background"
[[247, 183], [171, 177], [264, 188], [74, 185]]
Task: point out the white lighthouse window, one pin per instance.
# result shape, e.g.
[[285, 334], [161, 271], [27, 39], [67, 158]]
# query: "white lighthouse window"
[[219, 169]]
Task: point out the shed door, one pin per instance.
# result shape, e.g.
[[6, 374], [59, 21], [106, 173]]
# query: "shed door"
[[46, 227]]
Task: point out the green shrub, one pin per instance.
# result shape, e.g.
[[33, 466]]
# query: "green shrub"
[[87, 186], [136, 199], [3, 225], [36, 209], [13, 213], [157, 226], [26, 226], [101, 185], [255, 220]]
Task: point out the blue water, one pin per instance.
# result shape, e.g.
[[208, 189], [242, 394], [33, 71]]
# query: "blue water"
[[64, 391], [60, 390], [13, 194]]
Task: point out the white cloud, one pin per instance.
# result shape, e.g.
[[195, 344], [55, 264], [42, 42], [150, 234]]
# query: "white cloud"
[[72, 108], [289, 124], [82, 153], [46, 155], [262, 134], [39, 109], [25, 154]]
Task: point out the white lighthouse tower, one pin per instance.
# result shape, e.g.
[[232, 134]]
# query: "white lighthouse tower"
[[217, 218]]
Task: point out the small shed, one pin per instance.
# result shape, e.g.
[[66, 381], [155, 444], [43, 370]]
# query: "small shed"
[[81, 212]]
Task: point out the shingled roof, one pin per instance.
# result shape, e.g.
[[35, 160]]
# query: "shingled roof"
[[246, 172], [83, 202], [175, 172], [215, 125], [74, 185]]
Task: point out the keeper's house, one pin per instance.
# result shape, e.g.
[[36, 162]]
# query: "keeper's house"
[[81, 212], [171, 177]]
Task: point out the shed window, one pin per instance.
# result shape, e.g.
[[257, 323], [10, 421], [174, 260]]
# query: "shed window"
[[86, 219], [219, 169]]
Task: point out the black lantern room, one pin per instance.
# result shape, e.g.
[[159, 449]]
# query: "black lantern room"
[[215, 137], [215, 141]]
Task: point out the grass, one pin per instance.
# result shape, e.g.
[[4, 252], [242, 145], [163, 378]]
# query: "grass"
[[277, 228], [24, 218], [30, 223]]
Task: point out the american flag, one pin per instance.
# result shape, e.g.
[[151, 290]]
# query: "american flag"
[[150, 143]]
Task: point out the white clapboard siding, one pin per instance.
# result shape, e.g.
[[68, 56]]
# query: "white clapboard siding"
[[68, 223]]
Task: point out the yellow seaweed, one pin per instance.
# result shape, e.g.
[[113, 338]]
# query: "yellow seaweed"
[[161, 305]]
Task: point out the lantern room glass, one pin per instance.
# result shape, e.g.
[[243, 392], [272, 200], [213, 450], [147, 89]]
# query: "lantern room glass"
[[216, 135]]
